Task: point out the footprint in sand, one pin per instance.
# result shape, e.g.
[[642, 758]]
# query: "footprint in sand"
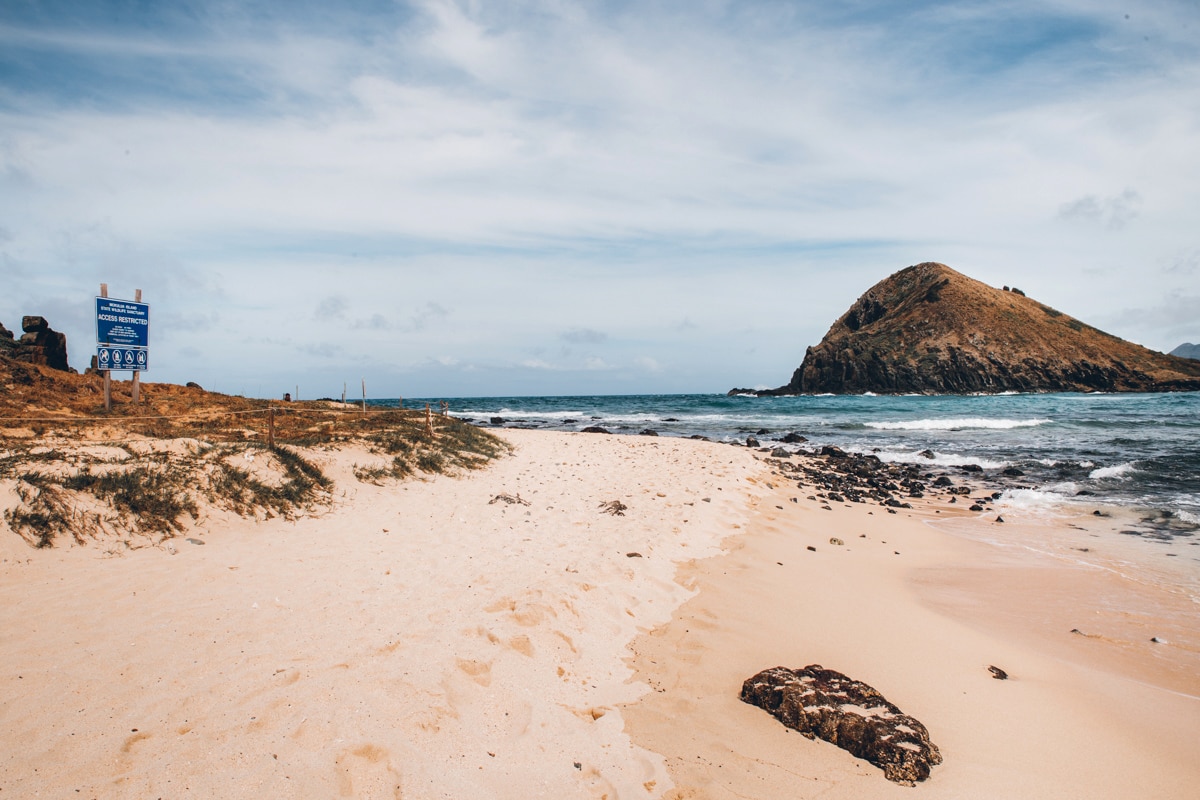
[[525, 613], [366, 772], [479, 671]]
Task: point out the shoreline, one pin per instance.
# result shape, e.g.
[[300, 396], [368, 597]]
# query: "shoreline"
[[920, 613], [428, 639]]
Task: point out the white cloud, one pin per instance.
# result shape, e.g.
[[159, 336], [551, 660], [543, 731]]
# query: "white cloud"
[[1113, 213]]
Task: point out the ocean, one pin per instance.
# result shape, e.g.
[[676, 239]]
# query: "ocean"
[[1136, 451]]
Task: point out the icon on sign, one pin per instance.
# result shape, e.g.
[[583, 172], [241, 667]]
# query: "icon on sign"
[[104, 356], [128, 356], [141, 356]]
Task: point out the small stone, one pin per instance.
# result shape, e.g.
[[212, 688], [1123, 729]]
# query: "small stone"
[[998, 673]]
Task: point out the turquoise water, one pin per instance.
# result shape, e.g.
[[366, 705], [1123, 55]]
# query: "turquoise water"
[[1136, 450]]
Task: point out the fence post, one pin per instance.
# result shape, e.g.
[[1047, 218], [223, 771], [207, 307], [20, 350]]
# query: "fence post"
[[271, 427], [428, 421]]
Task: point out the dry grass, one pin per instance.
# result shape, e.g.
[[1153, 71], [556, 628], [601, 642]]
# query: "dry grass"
[[188, 442]]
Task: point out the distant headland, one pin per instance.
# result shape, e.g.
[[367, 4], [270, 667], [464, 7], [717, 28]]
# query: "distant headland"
[[928, 329]]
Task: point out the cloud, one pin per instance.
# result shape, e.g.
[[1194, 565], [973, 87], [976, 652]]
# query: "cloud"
[[1111, 212], [1168, 322], [375, 322], [429, 313], [583, 336], [332, 307], [1183, 263]]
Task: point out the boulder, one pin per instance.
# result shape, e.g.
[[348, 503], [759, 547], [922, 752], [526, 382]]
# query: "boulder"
[[39, 344], [822, 703]]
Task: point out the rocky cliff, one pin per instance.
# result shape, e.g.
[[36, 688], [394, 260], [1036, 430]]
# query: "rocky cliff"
[[928, 329]]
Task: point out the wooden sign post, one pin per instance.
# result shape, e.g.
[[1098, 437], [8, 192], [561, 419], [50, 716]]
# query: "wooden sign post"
[[107, 373], [137, 373], [116, 338]]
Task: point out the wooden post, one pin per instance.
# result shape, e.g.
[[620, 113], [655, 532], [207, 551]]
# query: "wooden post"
[[343, 393], [271, 427], [428, 421], [137, 373], [107, 373], [364, 405], [445, 409]]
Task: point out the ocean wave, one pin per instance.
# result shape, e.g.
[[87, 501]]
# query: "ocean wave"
[[955, 424], [1187, 516], [1120, 471], [1040, 500], [938, 460]]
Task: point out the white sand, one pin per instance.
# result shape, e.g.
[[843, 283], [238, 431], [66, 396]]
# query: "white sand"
[[419, 641], [415, 641]]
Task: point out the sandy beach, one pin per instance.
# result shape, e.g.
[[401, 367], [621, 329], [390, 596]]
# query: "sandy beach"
[[508, 635]]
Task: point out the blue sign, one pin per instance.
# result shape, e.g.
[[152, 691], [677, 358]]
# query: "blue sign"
[[132, 358], [122, 323]]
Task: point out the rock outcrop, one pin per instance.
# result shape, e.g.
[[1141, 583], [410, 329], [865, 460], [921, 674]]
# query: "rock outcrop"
[[930, 330], [822, 703], [1187, 350], [40, 344]]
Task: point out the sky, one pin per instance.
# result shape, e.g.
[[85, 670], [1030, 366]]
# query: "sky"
[[452, 199]]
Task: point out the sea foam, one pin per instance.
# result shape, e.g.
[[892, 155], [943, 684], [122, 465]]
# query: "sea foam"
[[1120, 471], [955, 424], [1031, 500], [938, 460]]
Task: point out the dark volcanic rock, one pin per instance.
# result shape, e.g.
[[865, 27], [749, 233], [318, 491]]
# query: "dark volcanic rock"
[[40, 344], [930, 330], [822, 703], [594, 429]]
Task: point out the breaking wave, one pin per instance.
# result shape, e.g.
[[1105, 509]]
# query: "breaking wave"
[[956, 424]]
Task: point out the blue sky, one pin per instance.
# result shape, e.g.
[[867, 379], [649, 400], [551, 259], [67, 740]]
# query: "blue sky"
[[467, 198]]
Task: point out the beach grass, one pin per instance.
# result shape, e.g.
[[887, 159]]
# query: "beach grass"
[[179, 467]]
